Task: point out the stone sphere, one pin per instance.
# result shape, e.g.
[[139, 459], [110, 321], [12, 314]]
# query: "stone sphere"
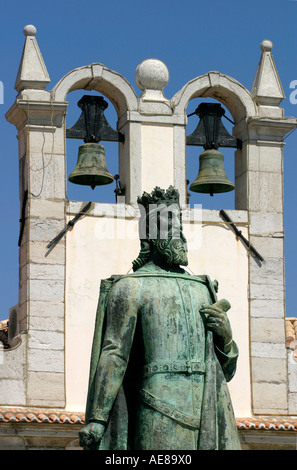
[[30, 30], [152, 74], [266, 45]]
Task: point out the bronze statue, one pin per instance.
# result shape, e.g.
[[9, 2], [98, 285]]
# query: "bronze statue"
[[162, 351]]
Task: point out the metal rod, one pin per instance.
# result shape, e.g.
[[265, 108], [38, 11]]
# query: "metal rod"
[[23, 217], [69, 225], [228, 119], [239, 234]]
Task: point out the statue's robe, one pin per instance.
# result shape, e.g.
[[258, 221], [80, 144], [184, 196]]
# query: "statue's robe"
[[157, 380]]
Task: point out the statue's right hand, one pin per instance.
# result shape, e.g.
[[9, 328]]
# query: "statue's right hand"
[[91, 435]]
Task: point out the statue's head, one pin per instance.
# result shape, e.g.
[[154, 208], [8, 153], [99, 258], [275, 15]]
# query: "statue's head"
[[160, 228]]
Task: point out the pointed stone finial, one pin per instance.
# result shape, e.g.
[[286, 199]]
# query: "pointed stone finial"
[[32, 71], [267, 88]]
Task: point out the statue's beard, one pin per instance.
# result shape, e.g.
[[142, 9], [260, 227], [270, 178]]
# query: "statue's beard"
[[173, 251]]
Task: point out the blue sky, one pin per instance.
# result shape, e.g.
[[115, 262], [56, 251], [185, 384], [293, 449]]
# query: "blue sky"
[[192, 37]]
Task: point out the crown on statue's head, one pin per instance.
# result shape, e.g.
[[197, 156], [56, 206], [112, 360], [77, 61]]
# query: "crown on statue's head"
[[159, 196]]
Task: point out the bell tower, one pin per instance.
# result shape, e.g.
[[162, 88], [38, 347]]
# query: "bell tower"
[[59, 282]]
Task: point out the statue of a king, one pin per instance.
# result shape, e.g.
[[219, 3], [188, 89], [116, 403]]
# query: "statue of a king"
[[162, 350]]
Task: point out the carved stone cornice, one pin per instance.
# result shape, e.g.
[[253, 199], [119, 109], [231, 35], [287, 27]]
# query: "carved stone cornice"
[[42, 113]]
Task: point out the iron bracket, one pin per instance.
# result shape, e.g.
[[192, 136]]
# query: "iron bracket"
[[239, 234], [69, 225]]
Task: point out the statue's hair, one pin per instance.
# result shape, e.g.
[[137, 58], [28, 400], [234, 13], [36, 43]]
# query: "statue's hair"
[[144, 255]]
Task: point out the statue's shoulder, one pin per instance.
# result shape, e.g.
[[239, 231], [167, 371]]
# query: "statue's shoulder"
[[121, 281]]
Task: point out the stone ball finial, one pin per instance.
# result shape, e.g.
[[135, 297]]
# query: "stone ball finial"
[[266, 45], [30, 30], [152, 74]]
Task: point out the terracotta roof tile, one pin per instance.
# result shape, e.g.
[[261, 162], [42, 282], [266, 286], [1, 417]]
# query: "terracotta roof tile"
[[21, 417], [25, 415], [65, 419], [75, 419], [31, 417], [40, 416], [10, 416], [43, 418], [291, 330], [54, 418], [268, 423]]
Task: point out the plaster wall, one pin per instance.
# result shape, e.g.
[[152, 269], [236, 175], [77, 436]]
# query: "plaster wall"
[[100, 245], [157, 162]]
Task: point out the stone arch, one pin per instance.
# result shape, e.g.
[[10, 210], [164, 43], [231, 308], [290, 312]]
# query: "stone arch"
[[99, 78], [228, 91], [118, 91]]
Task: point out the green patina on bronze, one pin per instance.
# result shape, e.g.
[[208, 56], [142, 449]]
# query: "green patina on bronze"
[[162, 352]]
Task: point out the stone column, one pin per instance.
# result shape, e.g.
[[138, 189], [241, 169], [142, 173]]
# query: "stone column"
[[42, 177], [160, 132], [259, 183]]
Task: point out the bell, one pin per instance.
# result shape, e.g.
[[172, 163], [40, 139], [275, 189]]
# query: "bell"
[[91, 168], [211, 176]]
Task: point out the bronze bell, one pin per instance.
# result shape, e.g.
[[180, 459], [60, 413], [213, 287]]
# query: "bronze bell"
[[91, 168], [211, 176]]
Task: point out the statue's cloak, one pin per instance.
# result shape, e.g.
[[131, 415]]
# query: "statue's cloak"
[[218, 430]]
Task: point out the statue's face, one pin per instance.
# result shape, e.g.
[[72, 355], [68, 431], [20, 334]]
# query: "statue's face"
[[172, 247], [173, 251]]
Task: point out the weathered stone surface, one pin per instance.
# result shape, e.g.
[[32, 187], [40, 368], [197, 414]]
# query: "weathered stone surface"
[[292, 403], [12, 442], [47, 321], [47, 340], [46, 389], [23, 292], [241, 192], [268, 369], [12, 391], [44, 230], [40, 254], [269, 273], [47, 137], [266, 194], [266, 224], [47, 271], [292, 372], [270, 398], [269, 247], [267, 157], [22, 315], [45, 360], [264, 291], [49, 309], [47, 290], [267, 330], [41, 436], [271, 350], [12, 364], [44, 207], [271, 308], [49, 176]]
